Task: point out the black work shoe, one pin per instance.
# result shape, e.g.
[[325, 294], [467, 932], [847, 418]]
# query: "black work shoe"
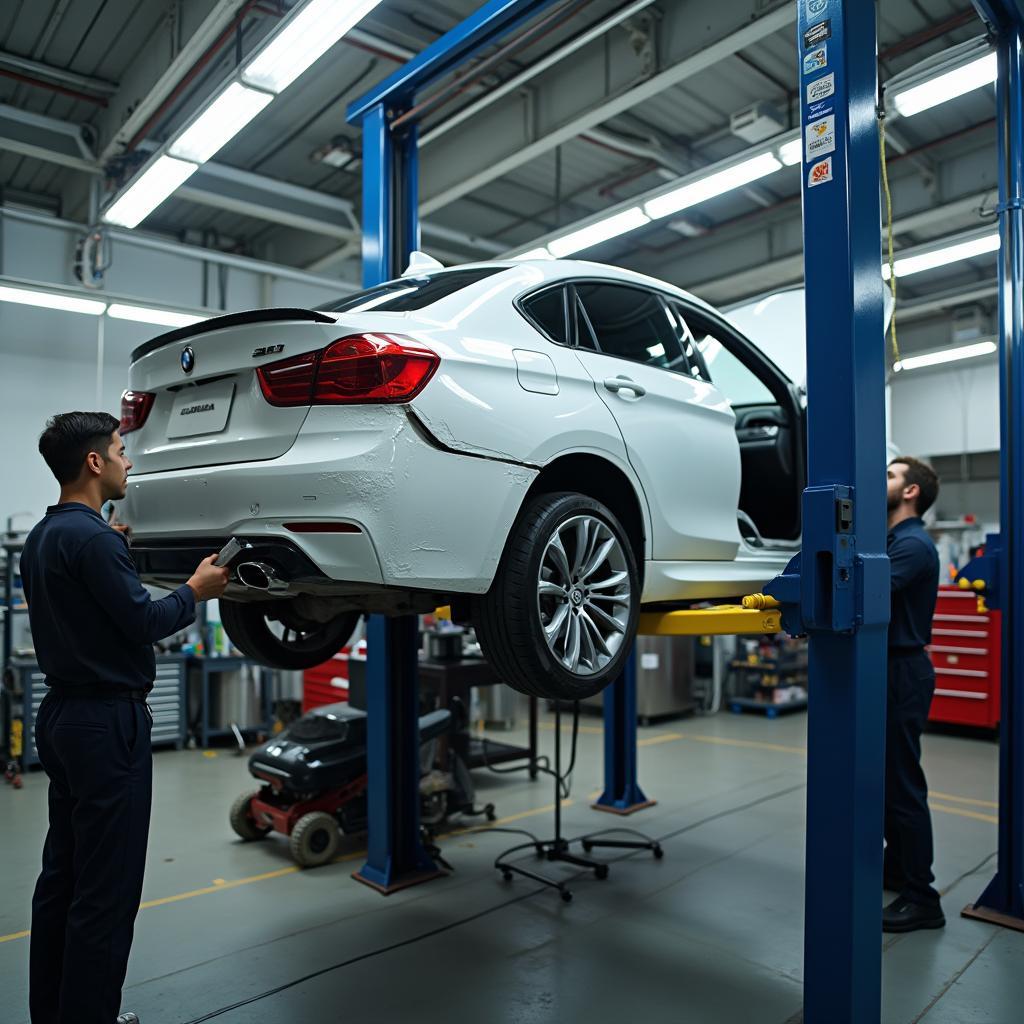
[[127, 1018], [903, 915]]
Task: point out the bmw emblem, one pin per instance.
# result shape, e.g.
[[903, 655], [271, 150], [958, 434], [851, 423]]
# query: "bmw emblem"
[[188, 359]]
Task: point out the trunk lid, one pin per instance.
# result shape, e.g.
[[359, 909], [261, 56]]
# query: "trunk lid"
[[208, 407]]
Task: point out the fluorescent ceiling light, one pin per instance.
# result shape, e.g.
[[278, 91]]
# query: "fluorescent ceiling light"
[[713, 185], [149, 191], [51, 300], [949, 355], [946, 87], [791, 152], [220, 122], [149, 315], [535, 254], [908, 265], [306, 37], [600, 231]]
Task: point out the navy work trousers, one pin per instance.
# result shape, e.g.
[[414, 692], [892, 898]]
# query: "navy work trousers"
[[908, 823], [97, 755]]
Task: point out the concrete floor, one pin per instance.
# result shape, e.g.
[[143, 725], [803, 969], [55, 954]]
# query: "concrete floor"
[[713, 933]]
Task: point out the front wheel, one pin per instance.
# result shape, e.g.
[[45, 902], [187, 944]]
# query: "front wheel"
[[559, 620], [242, 821], [271, 633], [315, 839]]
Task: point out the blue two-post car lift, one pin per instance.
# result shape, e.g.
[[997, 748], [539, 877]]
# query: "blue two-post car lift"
[[837, 592]]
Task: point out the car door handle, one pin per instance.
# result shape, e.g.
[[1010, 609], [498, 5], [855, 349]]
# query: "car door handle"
[[618, 384]]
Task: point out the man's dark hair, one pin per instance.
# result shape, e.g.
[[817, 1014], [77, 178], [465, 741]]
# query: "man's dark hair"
[[924, 476], [68, 439]]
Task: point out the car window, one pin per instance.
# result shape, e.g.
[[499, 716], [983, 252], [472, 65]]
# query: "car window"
[[409, 293], [631, 323], [739, 384], [547, 311]]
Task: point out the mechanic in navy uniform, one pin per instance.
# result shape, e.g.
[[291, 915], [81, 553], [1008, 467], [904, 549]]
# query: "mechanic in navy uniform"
[[912, 489], [93, 627]]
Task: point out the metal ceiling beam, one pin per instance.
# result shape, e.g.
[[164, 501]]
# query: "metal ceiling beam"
[[789, 269], [142, 107], [253, 195], [517, 82], [141, 240], [219, 186], [918, 309], [45, 138], [54, 74], [470, 158]]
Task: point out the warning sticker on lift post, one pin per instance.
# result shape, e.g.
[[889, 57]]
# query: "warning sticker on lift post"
[[820, 138], [821, 88], [816, 60], [818, 33], [820, 173]]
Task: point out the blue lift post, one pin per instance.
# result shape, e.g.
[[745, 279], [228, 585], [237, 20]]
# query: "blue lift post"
[[837, 590], [1002, 902], [396, 857], [622, 793]]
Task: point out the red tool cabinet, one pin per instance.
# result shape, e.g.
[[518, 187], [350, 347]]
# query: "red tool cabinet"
[[326, 683], [966, 653]]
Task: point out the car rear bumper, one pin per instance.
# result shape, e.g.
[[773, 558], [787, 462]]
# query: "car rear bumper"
[[422, 516]]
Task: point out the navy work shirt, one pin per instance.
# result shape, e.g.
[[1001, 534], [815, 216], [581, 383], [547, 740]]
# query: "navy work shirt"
[[914, 563], [93, 622]]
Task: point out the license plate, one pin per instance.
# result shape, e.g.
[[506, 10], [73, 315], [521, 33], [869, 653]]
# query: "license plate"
[[202, 410]]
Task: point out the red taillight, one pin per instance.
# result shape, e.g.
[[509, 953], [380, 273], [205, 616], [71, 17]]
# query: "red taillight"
[[363, 368], [290, 381], [135, 406], [373, 368]]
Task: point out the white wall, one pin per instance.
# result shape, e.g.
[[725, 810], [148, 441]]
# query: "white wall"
[[48, 364], [946, 411]]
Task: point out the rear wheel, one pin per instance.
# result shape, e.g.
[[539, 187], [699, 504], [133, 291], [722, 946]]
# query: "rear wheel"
[[315, 839], [560, 618], [272, 633]]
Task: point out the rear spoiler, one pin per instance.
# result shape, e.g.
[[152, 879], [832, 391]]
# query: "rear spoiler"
[[252, 316]]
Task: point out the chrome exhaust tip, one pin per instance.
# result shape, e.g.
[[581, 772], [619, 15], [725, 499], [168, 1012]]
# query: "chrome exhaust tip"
[[260, 576]]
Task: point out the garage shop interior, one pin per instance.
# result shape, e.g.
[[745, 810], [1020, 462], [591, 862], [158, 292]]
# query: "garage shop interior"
[[513, 511]]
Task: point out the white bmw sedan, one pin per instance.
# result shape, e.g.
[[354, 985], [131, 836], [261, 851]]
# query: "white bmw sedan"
[[545, 446]]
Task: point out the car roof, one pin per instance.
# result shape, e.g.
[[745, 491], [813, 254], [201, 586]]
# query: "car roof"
[[551, 271]]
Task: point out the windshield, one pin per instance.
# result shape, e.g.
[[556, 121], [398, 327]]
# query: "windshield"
[[410, 293]]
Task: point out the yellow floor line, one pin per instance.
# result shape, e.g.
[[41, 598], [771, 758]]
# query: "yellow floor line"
[[963, 799], [665, 737], [596, 730], [965, 814], [755, 744], [220, 885]]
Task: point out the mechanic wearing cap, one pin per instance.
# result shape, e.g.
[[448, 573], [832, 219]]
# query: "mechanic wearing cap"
[[93, 627], [912, 489]]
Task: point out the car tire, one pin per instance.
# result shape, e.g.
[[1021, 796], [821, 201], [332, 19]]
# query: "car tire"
[[242, 821], [313, 643], [315, 839], [599, 604]]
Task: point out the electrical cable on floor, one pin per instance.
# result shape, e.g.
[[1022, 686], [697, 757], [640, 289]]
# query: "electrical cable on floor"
[[564, 784], [888, 233], [471, 917]]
